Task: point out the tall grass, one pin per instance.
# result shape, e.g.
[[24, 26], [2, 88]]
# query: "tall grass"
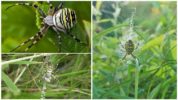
[[22, 76], [137, 70], [153, 74]]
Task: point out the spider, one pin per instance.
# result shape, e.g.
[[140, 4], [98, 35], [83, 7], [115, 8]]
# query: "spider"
[[59, 18], [49, 70], [129, 48]]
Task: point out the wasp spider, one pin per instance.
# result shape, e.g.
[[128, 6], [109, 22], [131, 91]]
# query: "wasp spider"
[[129, 48], [58, 18]]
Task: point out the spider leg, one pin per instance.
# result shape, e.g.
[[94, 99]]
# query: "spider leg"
[[123, 50], [51, 11], [122, 46], [76, 39], [30, 39], [38, 37], [133, 55], [30, 4], [60, 5], [137, 46], [59, 38], [34, 39], [124, 56]]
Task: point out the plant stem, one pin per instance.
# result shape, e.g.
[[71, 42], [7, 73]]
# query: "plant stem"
[[24, 69], [137, 70], [43, 91], [24, 58]]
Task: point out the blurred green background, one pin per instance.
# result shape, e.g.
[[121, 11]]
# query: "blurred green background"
[[24, 79], [20, 23], [154, 31]]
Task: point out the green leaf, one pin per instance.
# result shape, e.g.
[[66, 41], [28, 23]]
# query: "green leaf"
[[156, 41], [174, 94], [173, 49], [122, 93], [73, 73], [104, 21], [165, 87], [154, 92], [87, 29], [108, 30], [10, 84]]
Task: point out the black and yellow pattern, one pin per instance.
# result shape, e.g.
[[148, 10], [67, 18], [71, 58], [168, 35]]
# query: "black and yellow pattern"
[[129, 47], [65, 19]]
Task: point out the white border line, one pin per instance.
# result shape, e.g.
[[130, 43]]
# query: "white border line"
[[18, 53], [0, 49], [91, 51], [45, 53]]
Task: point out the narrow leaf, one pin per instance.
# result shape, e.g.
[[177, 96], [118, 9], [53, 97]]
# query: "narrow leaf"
[[154, 92], [10, 84]]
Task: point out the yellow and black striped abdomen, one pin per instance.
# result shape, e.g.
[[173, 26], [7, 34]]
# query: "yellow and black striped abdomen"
[[129, 47], [65, 19]]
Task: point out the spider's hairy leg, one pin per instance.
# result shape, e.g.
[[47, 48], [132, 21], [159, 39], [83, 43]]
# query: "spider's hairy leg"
[[124, 56], [60, 6], [59, 38], [34, 39], [51, 10], [31, 5], [137, 46], [122, 49], [76, 39], [122, 46], [30, 39], [133, 55], [38, 36]]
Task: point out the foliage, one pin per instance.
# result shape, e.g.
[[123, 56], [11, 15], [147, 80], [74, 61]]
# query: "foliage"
[[21, 22], [23, 79], [154, 30]]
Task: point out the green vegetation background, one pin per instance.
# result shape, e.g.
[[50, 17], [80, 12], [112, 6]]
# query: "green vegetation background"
[[154, 30], [23, 79], [20, 23]]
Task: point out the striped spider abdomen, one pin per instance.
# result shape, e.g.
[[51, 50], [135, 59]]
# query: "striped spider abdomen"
[[64, 19], [129, 48]]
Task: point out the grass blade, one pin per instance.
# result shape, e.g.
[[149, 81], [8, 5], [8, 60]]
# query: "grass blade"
[[154, 92], [108, 30], [10, 84]]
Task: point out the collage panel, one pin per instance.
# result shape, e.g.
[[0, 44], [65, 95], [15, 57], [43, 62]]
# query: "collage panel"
[[134, 50], [89, 49], [46, 27], [46, 76]]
